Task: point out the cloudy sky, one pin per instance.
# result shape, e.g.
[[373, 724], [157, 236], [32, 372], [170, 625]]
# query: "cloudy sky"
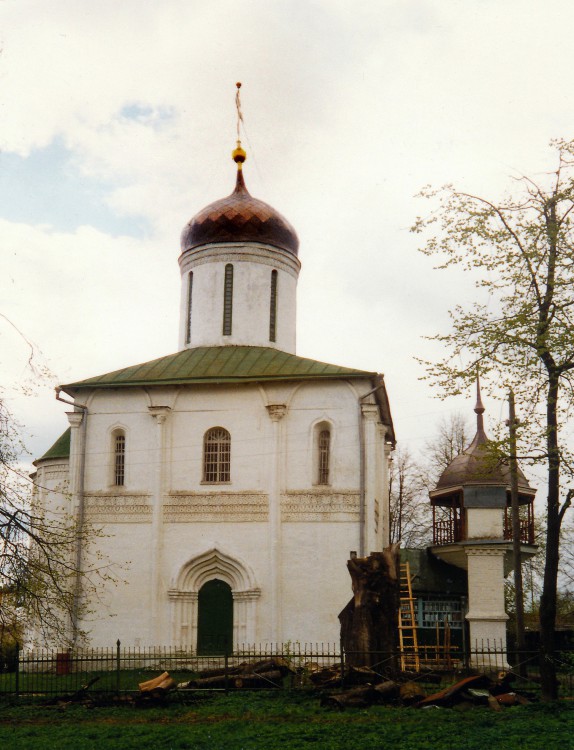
[[116, 125]]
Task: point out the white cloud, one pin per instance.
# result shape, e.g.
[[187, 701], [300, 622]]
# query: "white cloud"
[[349, 110]]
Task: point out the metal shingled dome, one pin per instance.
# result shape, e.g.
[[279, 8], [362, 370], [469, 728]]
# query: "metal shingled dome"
[[239, 218]]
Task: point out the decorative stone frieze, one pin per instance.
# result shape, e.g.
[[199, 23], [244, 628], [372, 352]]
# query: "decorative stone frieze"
[[116, 508], [299, 506], [218, 507], [58, 472]]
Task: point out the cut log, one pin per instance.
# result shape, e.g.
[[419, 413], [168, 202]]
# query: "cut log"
[[219, 671], [271, 679], [387, 691], [327, 677], [269, 665], [150, 685]]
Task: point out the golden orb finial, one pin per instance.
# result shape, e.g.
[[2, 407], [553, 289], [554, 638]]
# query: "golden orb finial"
[[239, 155]]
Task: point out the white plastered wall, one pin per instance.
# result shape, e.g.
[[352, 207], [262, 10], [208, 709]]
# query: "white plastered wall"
[[252, 267], [319, 525]]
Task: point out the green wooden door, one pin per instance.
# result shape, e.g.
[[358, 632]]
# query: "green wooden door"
[[215, 618]]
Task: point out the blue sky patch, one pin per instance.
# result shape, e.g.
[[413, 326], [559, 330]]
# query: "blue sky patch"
[[44, 188], [154, 116]]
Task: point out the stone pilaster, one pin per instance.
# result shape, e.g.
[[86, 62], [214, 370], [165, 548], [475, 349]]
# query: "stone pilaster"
[[184, 620], [159, 626], [370, 418], [276, 413], [486, 614], [77, 452]]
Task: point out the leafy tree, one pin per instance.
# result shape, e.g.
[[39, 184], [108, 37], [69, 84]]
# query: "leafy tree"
[[38, 570], [522, 250]]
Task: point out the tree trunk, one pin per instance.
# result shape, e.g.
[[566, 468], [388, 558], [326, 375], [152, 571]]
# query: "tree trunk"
[[516, 535], [549, 683]]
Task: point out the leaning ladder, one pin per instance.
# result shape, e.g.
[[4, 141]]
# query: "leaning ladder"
[[407, 623]]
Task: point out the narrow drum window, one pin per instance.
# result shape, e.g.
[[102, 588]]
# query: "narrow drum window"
[[217, 455], [228, 300], [119, 459], [273, 308], [189, 296], [323, 463]]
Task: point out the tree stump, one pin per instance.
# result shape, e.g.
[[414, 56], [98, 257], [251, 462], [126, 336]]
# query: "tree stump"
[[369, 621]]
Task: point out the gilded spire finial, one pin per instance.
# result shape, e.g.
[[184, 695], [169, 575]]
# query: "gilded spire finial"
[[238, 152]]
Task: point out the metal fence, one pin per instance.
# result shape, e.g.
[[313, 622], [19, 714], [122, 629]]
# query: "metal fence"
[[118, 670]]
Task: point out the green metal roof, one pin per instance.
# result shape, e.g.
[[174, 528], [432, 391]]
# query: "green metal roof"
[[232, 364], [220, 364], [60, 449]]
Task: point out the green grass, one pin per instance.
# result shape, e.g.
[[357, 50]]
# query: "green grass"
[[283, 720], [52, 684]]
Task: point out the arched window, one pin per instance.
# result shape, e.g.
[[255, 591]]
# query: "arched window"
[[273, 308], [323, 455], [188, 319], [228, 300], [217, 455], [119, 458]]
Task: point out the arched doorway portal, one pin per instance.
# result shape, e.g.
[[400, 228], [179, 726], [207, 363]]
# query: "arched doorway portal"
[[242, 596], [215, 618]]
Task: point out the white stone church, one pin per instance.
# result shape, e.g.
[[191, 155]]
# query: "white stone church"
[[231, 479]]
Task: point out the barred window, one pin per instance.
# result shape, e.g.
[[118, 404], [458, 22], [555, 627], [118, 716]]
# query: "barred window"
[[435, 611], [217, 455], [188, 319], [324, 445], [228, 300], [273, 308], [119, 459]]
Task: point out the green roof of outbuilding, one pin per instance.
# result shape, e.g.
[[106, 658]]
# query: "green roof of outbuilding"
[[429, 575], [220, 364], [60, 449]]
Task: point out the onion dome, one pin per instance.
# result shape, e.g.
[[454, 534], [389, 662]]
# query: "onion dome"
[[239, 218], [475, 465]]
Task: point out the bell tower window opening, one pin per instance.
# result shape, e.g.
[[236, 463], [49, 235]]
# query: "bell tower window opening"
[[273, 308], [324, 448], [119, 459], [228, 300], [188, 318], [217, 456]]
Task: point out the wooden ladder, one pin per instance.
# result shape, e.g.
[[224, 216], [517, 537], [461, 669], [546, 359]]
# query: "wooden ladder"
[[408, 641]]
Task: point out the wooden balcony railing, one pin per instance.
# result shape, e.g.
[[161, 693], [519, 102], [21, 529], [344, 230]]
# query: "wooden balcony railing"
[[447, 531], [526, 528]]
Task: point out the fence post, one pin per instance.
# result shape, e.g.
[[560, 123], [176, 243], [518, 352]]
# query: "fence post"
[[118, 644], [342, 664], [17, 686], [226, 667]]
